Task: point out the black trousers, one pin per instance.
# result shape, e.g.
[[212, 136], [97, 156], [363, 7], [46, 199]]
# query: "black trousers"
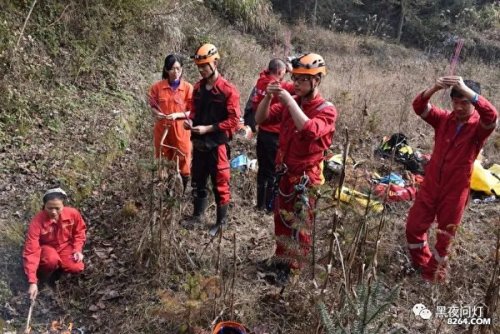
[[213, 163], [267, 148]]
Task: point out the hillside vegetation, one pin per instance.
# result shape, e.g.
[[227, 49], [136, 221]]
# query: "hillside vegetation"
[[73, 113], [434, 26]]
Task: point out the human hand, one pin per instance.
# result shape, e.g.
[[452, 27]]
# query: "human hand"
[[274, 88], [158, 115], [174, 116], [440, 84], [188, 124], [78, 256], [454, 81], [33, 291], [201, 129], [450, 81], [282, 94]]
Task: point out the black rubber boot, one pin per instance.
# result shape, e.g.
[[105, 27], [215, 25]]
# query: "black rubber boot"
[[199, 206], [270, 197], [55, 277], [221, 219], [261, 197], [221, 214], [185, 181], [274, 271]]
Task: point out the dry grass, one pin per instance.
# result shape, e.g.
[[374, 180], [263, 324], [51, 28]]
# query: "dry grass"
[[190, 285]]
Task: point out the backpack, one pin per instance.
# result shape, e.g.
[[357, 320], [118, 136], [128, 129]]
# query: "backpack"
[[397, 144], [249, 115]]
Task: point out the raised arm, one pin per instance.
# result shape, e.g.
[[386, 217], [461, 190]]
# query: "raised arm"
[[421, 104], [262, 112]]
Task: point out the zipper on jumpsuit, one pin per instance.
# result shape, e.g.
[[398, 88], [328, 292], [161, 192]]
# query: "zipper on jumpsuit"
[[451, 145]]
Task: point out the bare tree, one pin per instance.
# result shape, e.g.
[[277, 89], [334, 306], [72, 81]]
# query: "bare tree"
[[402, 16]]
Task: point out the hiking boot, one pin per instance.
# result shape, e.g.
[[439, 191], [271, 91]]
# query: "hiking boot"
[[261, 197], [283, 276], [434, 271], [185, 181], [220, 221], [54, 278], [270, 197], [199, 206], [410, 269], [274, 272]]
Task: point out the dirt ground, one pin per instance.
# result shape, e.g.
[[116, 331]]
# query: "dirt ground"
[[183, 282]]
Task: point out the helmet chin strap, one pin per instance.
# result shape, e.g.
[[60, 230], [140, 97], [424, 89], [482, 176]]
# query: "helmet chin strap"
[[310, 94], [213, 71]]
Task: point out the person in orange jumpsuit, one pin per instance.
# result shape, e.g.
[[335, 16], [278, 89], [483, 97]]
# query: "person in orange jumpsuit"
[[55, 240], [267, 137], [459, 137], [307, 123], [170, 100], [214, 118]]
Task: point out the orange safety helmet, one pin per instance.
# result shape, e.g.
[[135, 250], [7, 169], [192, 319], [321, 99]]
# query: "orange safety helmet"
[[206, 53], [229, 327], [310, 63]]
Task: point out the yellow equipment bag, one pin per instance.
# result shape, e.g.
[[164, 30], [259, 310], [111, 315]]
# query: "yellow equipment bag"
[[359, 199], [485, 180], [495, 171]]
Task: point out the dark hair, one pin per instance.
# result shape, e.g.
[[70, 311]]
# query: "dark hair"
[[169, 63], [475, 86], [275, 65], [52, 196]]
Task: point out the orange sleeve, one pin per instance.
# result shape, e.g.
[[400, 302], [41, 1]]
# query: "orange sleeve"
[[78, 232], [32, 250], [189, 96], [153, 98]]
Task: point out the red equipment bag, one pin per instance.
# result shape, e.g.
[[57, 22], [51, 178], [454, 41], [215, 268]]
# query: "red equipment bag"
[[396, 193]]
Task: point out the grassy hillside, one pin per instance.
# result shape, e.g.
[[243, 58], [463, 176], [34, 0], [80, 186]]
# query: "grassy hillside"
[[73, 112], [434, 26]]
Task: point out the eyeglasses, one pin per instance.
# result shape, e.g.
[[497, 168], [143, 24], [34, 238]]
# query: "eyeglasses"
[[301, 78]]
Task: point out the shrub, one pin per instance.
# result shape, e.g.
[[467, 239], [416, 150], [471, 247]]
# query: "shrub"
[[249, 15]]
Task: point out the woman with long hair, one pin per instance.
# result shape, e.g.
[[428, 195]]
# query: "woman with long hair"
[[170, 100]]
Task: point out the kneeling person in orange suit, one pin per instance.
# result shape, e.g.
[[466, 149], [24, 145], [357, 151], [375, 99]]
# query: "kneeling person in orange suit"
[[55, 240]]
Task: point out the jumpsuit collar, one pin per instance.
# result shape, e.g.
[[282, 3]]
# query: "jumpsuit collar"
[[174, 85], [305, 105], [63, 216], [165, 85], [217, 81], [472, 119]]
